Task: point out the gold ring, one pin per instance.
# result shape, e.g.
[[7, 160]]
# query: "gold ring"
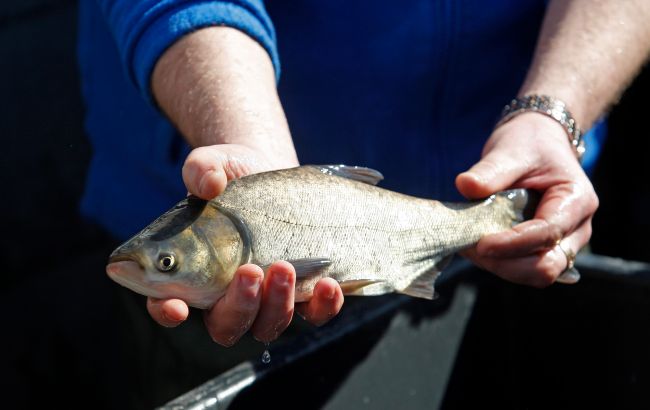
[[569, 254]]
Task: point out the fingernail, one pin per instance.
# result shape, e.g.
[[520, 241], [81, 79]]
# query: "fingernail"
[[172, 322], [281, 279], [489, 253], [476, 177], [210, 177], [189, 172], [250, 281], [205, 180], [328, 293]]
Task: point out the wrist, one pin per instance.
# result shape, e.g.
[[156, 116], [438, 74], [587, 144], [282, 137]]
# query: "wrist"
[[552, 108], [530, 135]]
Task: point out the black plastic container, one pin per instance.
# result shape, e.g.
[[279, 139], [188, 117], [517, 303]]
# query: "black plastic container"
[[482, 342]]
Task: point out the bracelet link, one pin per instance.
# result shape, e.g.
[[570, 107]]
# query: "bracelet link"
[[551, 107]]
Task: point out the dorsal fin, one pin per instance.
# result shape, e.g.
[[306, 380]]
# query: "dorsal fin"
[[361, 174]]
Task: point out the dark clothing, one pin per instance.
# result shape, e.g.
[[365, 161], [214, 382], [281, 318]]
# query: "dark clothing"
[[411, 91]]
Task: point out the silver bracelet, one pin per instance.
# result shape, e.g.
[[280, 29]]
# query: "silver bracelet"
[[552, 107]]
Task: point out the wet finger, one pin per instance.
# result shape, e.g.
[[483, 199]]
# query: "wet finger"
[[523, 239], [499, 169], [563, 208], [538, 270], [325, 303], [570, 275], [277, 302], [568, 205], [168, 312], [568, 248], [234, 313]]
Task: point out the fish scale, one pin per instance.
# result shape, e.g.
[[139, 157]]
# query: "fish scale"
[[368, 233], [328, 221]]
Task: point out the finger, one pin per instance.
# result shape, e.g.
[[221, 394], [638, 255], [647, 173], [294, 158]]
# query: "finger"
[[523, 239], [534, 270], [325, 303], [568, 205], [234, 313], [277, 302], [203, 172], [499, 169], [168, 312], [562, 209], [568, 248], [538, 270]]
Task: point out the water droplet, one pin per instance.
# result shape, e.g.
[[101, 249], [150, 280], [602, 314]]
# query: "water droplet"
[[266, 356]]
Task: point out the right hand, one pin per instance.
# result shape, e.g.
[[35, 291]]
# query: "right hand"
[[265, 305], [531, 151]]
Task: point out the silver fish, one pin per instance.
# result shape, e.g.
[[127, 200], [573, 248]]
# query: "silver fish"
[[326, 220]]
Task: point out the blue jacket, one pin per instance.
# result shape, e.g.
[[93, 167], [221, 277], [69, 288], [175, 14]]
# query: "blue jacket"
[[412, 89]]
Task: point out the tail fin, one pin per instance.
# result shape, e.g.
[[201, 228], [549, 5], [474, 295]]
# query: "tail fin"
[[524, 202]]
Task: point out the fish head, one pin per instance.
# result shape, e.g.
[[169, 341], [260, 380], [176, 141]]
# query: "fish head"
[[191, 253]]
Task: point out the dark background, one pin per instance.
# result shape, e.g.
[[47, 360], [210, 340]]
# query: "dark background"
[[45, 155]]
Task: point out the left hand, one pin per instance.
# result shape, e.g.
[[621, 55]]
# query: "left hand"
[[262, 302], [532, 151]]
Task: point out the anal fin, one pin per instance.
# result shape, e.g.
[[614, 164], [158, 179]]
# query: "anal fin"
[[422, 285], [355, 287]]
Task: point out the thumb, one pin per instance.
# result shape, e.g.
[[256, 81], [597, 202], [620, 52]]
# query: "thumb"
[[499, 169], [204, 172]]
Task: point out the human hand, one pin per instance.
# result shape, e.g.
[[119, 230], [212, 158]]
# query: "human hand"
[[255, 300], [532, 151]]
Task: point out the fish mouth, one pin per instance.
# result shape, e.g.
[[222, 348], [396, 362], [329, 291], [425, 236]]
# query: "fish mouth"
[[121, 266], [129, 273], [120, 255]]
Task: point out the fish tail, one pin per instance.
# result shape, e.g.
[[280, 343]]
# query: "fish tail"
[[524, 203]]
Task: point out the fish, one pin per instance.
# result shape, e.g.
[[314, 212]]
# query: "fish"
[[328, 221]]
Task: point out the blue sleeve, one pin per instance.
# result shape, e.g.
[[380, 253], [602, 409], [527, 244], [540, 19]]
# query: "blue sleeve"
[[144, 29]]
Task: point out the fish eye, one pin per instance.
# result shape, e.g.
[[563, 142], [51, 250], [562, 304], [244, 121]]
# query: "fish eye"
[[166, 262]]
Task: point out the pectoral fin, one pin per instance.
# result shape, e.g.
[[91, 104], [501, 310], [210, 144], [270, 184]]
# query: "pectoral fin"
[[361, 174], [310, 266], [307, 267]]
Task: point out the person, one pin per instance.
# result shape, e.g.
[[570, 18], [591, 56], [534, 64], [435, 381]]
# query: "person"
[[189, 88]]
